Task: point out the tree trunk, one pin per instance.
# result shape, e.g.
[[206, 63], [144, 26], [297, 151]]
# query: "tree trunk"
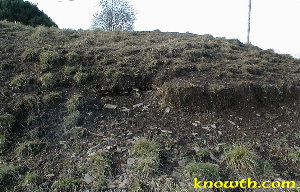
[[249, 22]]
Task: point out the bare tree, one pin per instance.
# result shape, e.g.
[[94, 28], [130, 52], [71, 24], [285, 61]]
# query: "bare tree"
[[115, 15], [249, 22]]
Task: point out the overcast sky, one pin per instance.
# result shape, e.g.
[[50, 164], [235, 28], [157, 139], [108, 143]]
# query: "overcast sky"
[[275, 23]]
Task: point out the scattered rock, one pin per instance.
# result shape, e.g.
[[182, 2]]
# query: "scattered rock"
[[206, 128], [231, 122], [167, 110], [46, 184], [130, 161], [50, 175], [110, 106], [87, 178], [138, 105], [124, 109]]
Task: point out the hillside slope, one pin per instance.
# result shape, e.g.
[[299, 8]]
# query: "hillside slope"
[[142, 111]]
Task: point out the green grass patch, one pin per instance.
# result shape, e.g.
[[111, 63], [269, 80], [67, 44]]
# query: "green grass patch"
[[75, 103], [30, 55], [69, 70], [7, 122], [145, 147], [30, 148], [203, 171], [19, 81], [3, 144], [99, 166], [51, 98], [148, 157], [48, 59], [80, 77], [32, 181], [72, 57], [66, 184], [9, 176], [32, 119], [241, 160], [72, 119]]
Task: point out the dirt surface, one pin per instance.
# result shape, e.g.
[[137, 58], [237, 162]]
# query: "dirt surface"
[[184, 91]]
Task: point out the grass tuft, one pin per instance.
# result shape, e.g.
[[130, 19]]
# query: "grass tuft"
[[72, 57], [30, 55], [48, 80], [69, 70], [66, 184], [241, 160]]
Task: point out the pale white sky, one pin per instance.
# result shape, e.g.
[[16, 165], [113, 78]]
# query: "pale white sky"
[[275, 23]]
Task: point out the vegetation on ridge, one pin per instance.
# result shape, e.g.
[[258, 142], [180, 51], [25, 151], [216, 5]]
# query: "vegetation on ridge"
[[142, 111]]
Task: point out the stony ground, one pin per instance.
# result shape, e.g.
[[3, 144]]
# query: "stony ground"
[[142, 111]]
